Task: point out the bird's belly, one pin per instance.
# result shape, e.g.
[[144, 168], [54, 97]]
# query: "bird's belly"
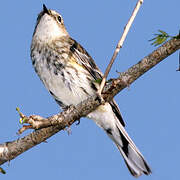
[[65, 85], [70, 88]]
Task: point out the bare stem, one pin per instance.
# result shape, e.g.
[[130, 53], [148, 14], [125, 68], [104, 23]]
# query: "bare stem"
[[120, 43]]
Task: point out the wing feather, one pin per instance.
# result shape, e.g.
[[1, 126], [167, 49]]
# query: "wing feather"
[[86, 60]]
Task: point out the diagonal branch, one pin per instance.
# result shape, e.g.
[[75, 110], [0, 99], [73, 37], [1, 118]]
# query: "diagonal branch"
[[120, 43], [11, 150]]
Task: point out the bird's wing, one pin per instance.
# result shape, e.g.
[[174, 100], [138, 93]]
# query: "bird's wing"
[[87, 62], [84, 59], [116, 111]]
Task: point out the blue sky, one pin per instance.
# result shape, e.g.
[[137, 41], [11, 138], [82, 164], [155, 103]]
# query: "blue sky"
[[150, 107]]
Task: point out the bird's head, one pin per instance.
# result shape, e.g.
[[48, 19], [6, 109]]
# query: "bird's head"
[[49, 26]]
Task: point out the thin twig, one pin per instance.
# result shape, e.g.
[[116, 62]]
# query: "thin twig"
[[120, 43]]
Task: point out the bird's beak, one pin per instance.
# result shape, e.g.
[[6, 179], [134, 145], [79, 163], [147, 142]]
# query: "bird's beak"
[[45, 10]]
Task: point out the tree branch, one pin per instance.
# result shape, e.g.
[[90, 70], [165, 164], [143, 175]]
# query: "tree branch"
[[120, 43], [11, 150]]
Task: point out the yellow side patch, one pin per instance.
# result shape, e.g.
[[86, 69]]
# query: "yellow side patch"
[[74, 63]]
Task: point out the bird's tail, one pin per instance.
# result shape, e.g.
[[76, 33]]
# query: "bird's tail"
[[132, 156]]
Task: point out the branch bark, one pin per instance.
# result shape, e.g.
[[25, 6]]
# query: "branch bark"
[[10, 150]]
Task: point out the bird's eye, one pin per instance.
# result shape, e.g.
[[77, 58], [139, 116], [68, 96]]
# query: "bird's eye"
[[59, 19]]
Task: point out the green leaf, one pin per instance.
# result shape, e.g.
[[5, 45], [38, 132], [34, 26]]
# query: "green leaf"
[[98, 81], [160, 38]]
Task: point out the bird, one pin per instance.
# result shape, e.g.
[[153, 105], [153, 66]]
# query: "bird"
[[70, 75]]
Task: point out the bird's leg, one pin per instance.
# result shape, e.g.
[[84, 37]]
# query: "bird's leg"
[[68, 107], [68, 128]]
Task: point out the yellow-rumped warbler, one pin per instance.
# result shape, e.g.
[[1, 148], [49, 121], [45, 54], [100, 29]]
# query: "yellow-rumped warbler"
[[69, 74]]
